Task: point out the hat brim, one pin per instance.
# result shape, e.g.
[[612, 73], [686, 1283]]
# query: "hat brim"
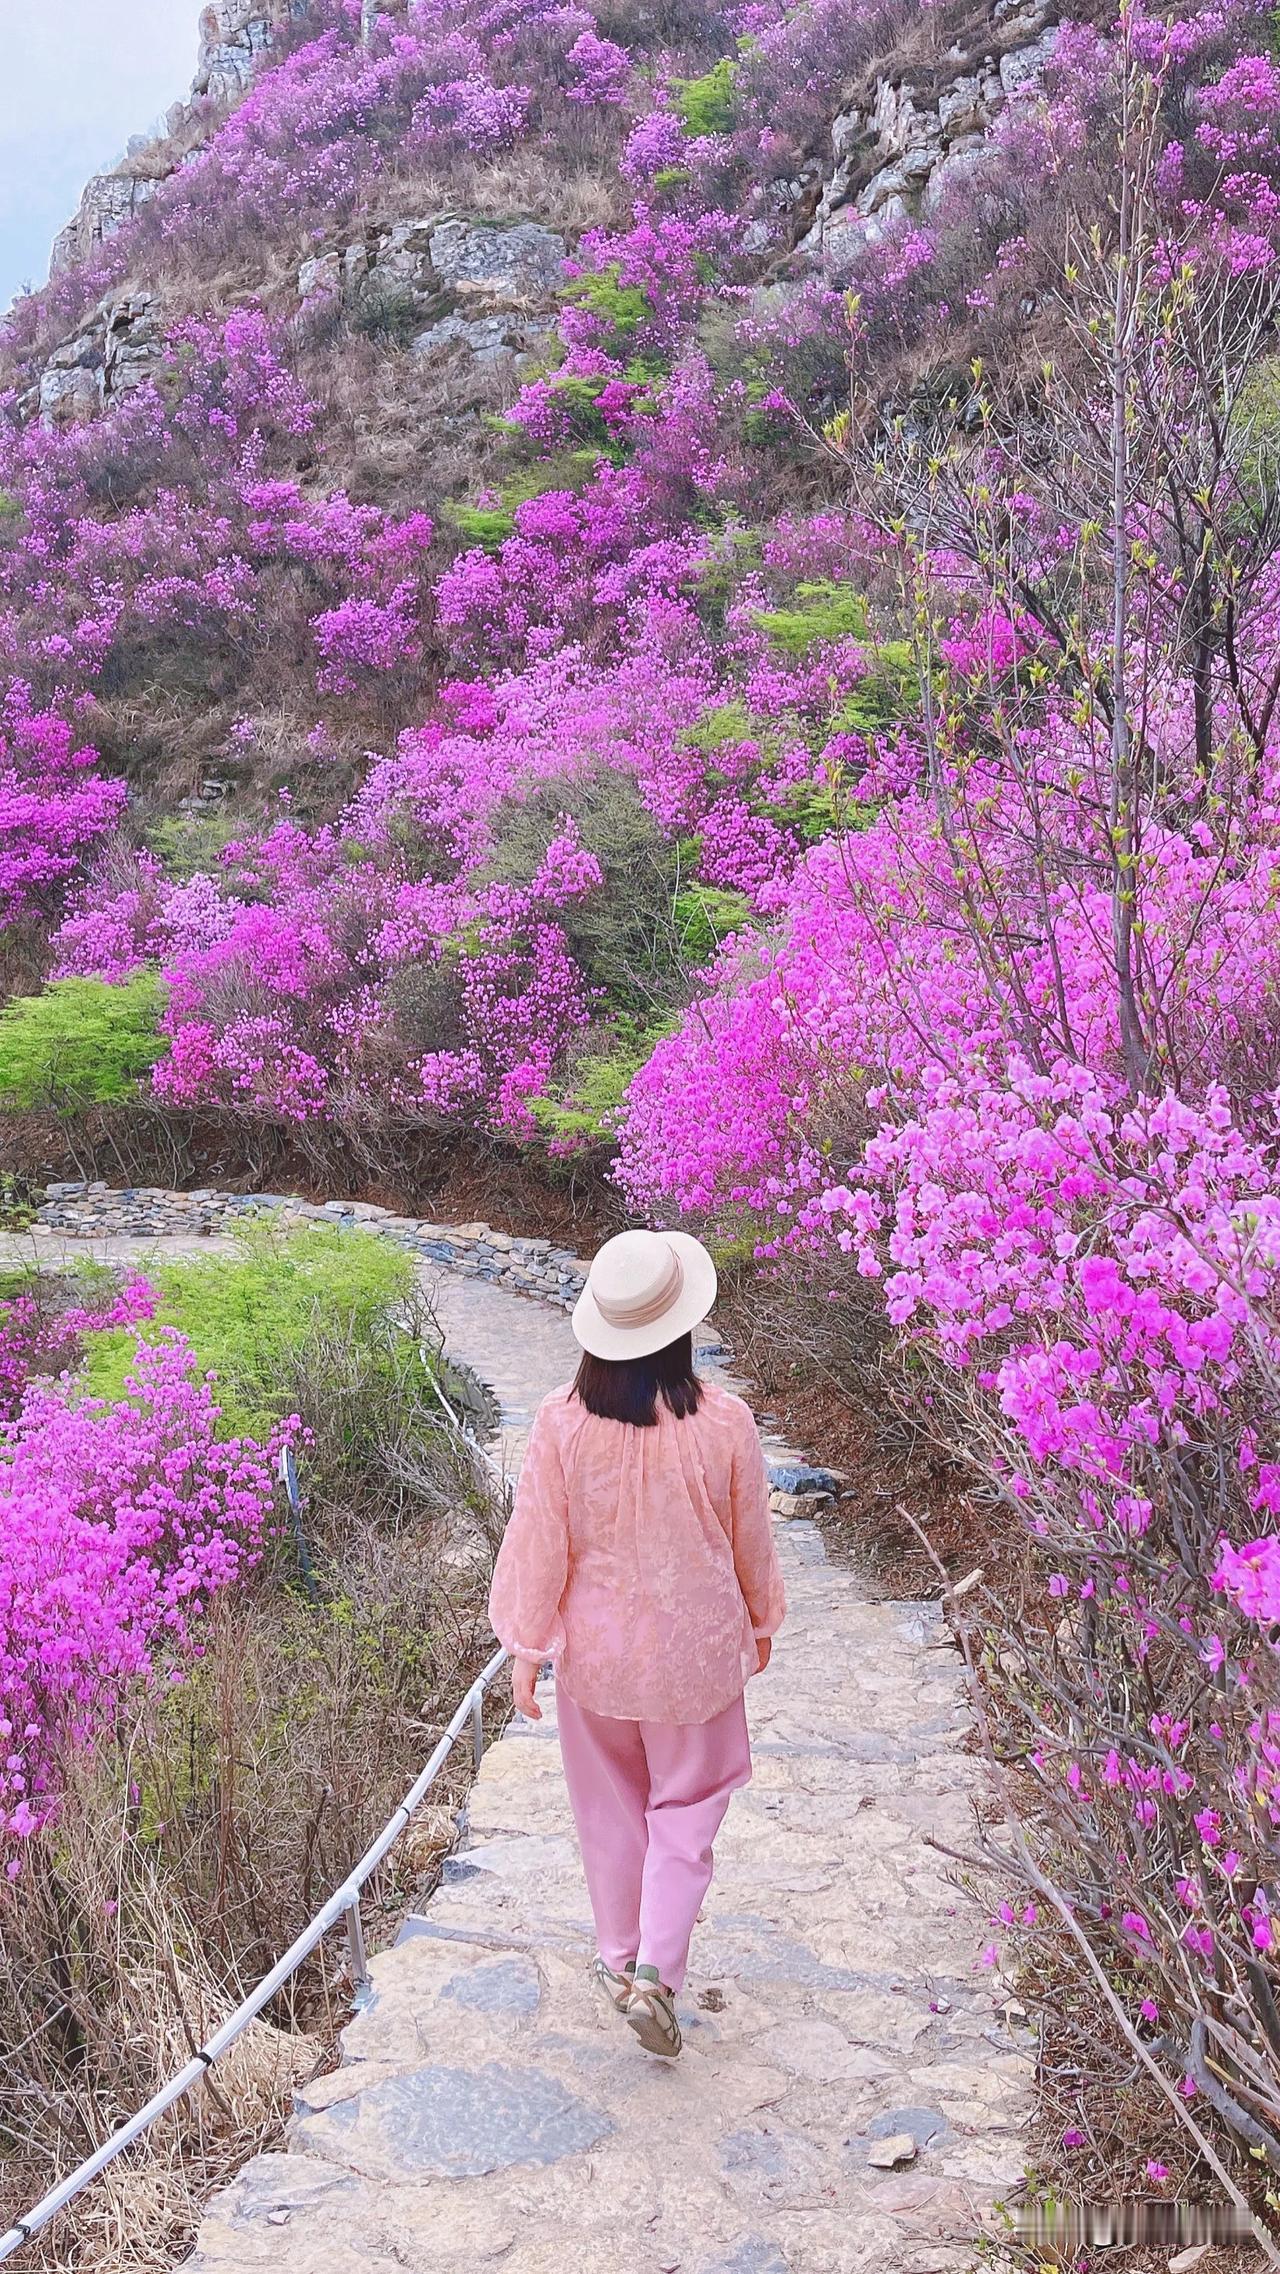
[[696, 1297]]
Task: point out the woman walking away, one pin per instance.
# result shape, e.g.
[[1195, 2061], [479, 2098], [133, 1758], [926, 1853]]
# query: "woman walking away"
[[640, 1560]]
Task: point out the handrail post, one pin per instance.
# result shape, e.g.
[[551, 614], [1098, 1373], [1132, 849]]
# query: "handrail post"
[[358, 1957], [477, 1727]]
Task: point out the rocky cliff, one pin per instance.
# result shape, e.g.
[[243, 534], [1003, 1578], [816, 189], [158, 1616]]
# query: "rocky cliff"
[[233, 36], [887, 158]]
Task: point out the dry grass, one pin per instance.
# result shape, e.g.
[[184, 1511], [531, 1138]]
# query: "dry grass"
[[196, 1842]]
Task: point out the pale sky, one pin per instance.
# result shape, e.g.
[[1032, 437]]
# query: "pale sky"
[[79, 77]]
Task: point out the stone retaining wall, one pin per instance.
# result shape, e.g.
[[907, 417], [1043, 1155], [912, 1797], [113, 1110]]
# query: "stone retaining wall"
[[78, 1210]]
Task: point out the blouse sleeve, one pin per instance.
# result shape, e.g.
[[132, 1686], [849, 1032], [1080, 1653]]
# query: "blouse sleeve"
[[533, 1560], [755, 1557]]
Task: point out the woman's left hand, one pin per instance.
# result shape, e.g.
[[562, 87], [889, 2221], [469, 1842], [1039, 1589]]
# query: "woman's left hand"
[[524, 1676]]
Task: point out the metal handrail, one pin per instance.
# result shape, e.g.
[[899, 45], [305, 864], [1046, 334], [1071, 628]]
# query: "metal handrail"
[[343, 1905]]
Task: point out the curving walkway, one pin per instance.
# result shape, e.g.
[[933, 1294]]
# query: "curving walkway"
[[849, 2098]]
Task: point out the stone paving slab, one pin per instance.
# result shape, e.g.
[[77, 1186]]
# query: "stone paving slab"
[[490, 2109]]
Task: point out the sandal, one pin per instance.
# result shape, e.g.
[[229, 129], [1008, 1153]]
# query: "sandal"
[[651, 2012], [616, 1987]]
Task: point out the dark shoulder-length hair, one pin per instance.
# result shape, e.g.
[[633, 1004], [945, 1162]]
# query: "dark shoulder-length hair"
[[628, 1389]]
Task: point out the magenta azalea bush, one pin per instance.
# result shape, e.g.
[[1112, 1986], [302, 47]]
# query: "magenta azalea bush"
[[121, 1522], [1006, 1061]]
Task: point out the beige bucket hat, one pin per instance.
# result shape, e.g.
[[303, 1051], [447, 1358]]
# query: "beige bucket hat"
[[643, 1289]]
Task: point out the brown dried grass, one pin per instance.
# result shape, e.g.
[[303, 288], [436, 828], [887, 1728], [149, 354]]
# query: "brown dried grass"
[[194, 1844]]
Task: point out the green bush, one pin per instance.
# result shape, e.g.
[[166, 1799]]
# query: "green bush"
[[19, 1200], [624, 307], [1256, 437], [256, 1318], [585, 1108], [706, 105], [623, 935], [729, 722], [491, 525], [823, 612], [890, 690], [888, 693], [81, 1043], [188, 844], [705, 915], [816, 810]]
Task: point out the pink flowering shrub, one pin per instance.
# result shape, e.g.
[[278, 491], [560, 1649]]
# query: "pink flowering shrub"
[[55, 808], [361, 637], [40, 1337], [27, 1339], [120, 1524], [218, 553]]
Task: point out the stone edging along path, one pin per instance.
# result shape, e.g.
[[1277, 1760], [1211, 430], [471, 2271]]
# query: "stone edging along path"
[[852, 2097], [79, 1210]]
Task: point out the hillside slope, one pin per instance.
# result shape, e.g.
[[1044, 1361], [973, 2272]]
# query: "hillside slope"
[[412, 467]]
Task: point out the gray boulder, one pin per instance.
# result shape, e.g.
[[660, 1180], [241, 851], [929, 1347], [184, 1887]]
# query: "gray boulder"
[[516, 265]]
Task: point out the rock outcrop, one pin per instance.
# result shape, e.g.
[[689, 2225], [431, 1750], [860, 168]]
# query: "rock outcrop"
[[233, 35], [895, 155], [106, 203], [120, 346], [446, 283]]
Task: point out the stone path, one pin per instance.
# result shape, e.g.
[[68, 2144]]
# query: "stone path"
[[488, 2110]]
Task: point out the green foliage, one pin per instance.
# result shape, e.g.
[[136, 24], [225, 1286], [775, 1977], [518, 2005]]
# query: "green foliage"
[[1256, 436], [729, 722], [18, 1204], [585, 1108], [706, 105], [187, 844], [488, 525], [624, 935], [737, 1251], [705, 915], [256, 1319], [889, 692], [492, 525], [721, 580], [80, 1043], [816, 810], [624, 307], [823, 612], [636, 937]]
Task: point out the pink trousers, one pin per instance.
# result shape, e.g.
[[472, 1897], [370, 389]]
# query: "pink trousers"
[[648, 1798]]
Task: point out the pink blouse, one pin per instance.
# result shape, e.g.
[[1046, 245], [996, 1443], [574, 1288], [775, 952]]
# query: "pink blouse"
[[641, 1560]]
